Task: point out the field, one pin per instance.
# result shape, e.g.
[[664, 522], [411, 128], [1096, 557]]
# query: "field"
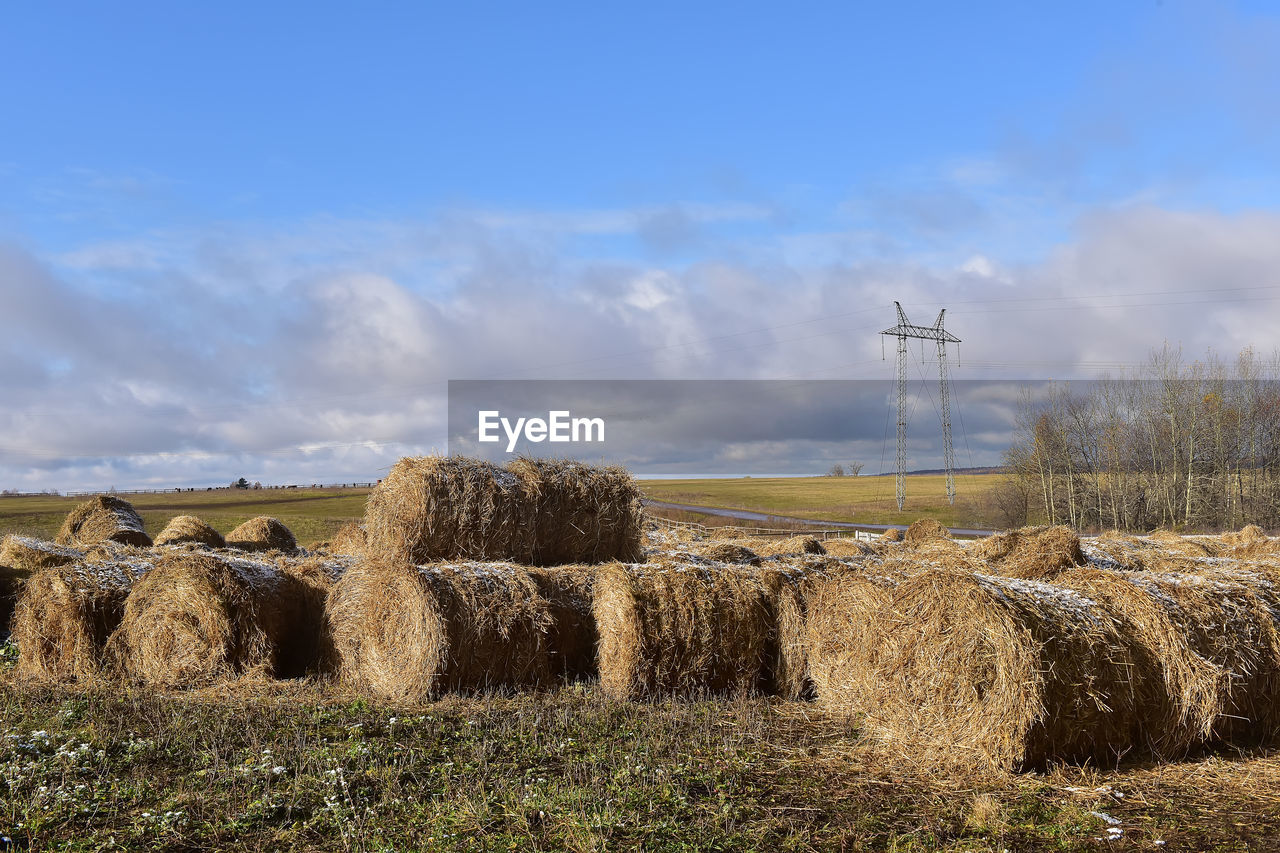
[[268, 765], [312, 514], [870, 500], [288, 767]]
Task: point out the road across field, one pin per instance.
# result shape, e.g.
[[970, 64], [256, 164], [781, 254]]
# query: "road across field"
[[747, 515]]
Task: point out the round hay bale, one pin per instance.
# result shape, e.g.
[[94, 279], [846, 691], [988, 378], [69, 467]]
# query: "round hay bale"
[[842, 547], [65, 615], [670, 628], [417, 632], [533, 511], [31, 555], [350, 539], [188, 528], [1032, 553], [1229, 618], [262, 534], [789, 584], [572, 639], [924, 529], [893, 534], [1187, 692], [104, 518], [843, 612], [1184, 546], [727, 552], [964, 669], [766, 546], [198, 618]]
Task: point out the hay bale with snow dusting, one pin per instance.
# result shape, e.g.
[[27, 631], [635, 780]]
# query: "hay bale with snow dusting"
[[417, 632], [31, 555], [198, 618], [533, 511], [104, 518], [963, 669], [1185, 697], [188, 528], [262, 534], [893, 534], [670, 628], [1032, 553], [1229, 618], [65, 615]]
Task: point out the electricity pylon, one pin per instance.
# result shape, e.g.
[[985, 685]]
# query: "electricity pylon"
[[906, 329]]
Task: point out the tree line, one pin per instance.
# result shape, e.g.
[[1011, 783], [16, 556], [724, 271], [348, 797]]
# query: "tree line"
[[1192, 446]]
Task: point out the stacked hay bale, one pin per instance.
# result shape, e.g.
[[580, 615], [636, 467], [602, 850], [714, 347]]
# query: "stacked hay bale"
[[668, 628], [104, 518], [416, 632], [262, 534], [187, 528], [66, 614], [1032, 553], [964, 669], [535, 512], [197, 618]]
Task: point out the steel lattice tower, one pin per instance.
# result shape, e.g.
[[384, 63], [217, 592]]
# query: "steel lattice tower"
[[906, 329]]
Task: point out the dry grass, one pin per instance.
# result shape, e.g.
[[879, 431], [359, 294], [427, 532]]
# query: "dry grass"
[[196, 619], [262, 534], [670, 628], [65, 615], [417, 632], [533, 511], [777, 547], [188, 528], [101, 519]]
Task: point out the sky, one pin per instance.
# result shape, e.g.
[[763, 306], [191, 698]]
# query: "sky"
[[258, 239]]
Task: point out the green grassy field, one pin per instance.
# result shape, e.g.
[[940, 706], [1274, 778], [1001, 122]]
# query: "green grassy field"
[[291, 767], [312, 514], [870, 500]]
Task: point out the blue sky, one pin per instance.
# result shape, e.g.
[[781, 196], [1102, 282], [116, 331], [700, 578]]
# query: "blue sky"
[[205, 208]]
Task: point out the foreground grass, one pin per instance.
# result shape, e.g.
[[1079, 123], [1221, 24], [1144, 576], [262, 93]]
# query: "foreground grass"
[[289, 766], [870, 500], [312, 514]]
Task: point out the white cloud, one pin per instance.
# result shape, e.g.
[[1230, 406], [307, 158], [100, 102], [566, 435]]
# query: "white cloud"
[[221, 358]]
